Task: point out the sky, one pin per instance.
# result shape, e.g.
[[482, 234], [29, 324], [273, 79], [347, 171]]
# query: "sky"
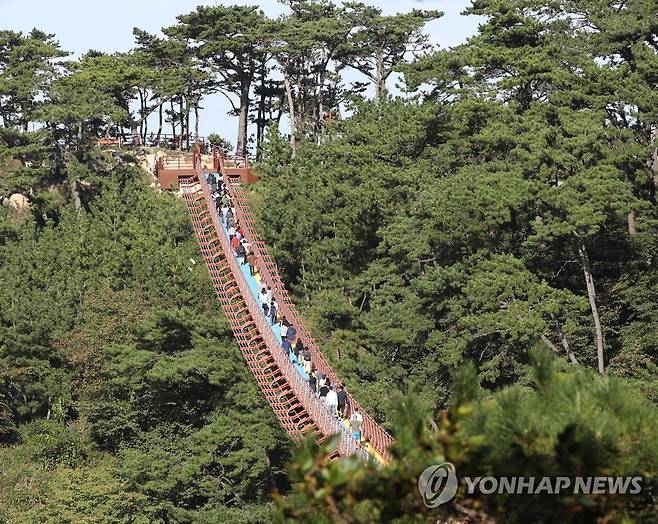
[[106, 25]]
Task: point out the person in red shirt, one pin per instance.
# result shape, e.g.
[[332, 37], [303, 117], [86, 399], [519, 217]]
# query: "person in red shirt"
[[235, 242], [251, 260]]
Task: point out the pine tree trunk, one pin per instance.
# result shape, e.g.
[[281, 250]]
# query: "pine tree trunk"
[[160, 123], [134, 131], [145, 132], [142, 112], [260, 119], [187, 127], [173, 123], [319, 124], [196, 121], [75, 192], [654, 166], [291, 106], [591, 295], [632, 229], [380, 87], [241, 148], [564, 341], [181, 117]]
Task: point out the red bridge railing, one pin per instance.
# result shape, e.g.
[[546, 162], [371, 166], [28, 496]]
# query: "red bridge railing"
[[296, 406], [378, 438], [293, 402]]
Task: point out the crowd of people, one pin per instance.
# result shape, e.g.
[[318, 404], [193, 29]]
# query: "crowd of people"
[[332, 395]]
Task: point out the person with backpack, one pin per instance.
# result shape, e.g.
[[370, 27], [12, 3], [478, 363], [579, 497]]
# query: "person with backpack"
[[308, 366], [322, 379], [322, 392], [240, 253], [212, 181], [304, 351], [313, 380], [291, 333]]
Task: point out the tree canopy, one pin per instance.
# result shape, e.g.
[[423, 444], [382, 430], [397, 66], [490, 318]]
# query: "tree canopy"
[[477, 257]]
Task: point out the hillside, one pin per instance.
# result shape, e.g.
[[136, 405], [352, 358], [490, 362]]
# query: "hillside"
[[475, 251]]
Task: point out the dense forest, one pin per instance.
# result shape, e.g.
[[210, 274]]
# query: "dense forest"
[[476, 250]]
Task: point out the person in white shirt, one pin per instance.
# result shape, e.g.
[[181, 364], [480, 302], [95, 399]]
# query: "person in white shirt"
[[308, 365], [355, 424], [264, 300], [269, 295], [331, 401]]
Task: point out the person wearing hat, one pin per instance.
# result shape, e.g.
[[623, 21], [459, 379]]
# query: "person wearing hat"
[[355, 425]]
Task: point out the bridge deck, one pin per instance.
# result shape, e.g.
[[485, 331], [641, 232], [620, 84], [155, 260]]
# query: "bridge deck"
[[281, 379]]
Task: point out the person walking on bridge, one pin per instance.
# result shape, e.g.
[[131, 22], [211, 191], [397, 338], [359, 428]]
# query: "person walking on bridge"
[[342, 401], [313, 379], [235, 243], [323, 391], [240, 253], [251, 260], [285, 344], [355, 425], [264, 301], [268, 296], [331, 401], [291, 334], [284, 327], [274, 308], [308, 366]]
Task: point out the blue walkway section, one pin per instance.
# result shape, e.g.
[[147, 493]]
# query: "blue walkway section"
[[254, 286]]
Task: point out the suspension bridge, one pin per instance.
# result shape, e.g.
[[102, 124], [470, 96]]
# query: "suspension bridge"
[[281, 380]]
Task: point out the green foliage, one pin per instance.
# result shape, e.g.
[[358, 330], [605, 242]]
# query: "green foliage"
[[380, 43], [479, 245], [569, 423], [109, 329], [28, 66]]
